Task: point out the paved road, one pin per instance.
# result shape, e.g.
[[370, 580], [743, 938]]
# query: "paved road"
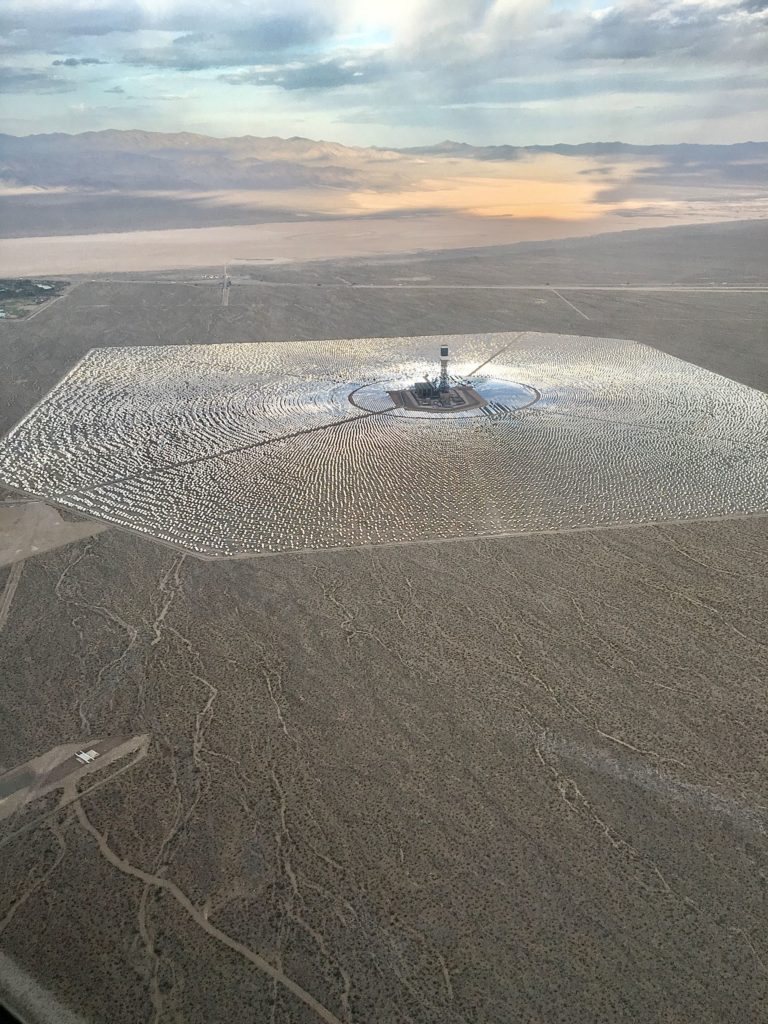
[[428, 286], [758, 288]]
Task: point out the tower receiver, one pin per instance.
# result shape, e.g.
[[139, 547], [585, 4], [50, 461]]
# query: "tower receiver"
[[438, 394], [443, 385]]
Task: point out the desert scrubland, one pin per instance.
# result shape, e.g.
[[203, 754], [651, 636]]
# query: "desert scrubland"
[[484, 780]]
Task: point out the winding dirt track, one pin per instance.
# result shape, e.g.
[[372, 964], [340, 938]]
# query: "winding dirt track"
[[184, 902]]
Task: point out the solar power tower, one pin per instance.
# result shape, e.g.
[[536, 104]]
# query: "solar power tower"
[[443, 385]]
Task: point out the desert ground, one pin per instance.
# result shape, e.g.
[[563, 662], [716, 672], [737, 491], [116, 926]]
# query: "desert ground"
[[502, 779]]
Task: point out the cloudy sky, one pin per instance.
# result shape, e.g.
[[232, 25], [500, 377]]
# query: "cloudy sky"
[[395, 73]]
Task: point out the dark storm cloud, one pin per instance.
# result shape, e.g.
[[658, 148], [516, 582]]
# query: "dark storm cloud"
[[20, 80], [74, 62], [616, 37], [633, 30], [648, 29], [284, 32], [641, 47], [225, 36], [259, 40], [467, 41], [246, 24], [62, 21]]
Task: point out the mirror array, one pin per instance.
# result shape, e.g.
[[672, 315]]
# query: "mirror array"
[[228, 450]]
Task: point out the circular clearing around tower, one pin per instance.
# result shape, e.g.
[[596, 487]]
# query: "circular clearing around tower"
[[489, 397]]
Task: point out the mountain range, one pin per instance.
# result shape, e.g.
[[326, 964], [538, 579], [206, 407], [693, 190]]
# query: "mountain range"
[[154, 161]]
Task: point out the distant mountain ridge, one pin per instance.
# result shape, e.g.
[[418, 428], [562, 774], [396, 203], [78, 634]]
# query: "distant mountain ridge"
[[685, 150], [141, 160], [154, 160]]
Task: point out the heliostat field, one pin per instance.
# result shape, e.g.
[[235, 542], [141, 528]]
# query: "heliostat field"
[[243, 449]]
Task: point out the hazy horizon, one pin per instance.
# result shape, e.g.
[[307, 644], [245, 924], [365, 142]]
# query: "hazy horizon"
[[512, 143]]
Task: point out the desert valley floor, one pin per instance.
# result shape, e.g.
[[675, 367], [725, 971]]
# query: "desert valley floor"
[[491, 779]]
